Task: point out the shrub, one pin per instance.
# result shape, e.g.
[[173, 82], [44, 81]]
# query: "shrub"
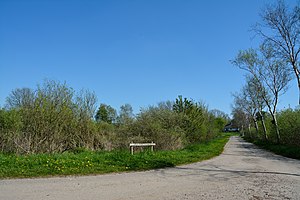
[[163, 126], [289, 124]]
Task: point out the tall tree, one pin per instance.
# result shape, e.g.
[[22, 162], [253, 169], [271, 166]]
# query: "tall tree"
[[269, 72], [281, 29]]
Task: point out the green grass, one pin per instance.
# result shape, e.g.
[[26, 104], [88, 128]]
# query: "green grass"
[[89, 162], [279, 149]]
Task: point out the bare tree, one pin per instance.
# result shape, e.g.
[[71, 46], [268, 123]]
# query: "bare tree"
[[20, 98], [86, 102], [244, 102], [219, 114], [281, 29], [240, 118]]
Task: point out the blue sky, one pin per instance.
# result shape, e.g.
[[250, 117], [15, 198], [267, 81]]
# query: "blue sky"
[[130, 51]]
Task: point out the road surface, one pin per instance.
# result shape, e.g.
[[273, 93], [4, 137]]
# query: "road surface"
[[241, 172]]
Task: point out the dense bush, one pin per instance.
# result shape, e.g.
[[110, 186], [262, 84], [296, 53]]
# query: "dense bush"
[[163, 126], [50, 119], [53, 118]]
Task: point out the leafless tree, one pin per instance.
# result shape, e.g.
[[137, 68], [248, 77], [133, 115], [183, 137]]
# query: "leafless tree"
[[20, 98], [240, 118], [244, 102], [280, 28]]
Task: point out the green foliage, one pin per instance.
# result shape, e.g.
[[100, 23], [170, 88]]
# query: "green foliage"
[[198, 123], [52, 120], [106, 114], [160, 125], [182, 105], [10, 125], [289, 123], [82, 161], [55, 119]]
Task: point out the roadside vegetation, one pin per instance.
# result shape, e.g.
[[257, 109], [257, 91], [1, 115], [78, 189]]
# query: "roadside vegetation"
[[82, 162], [269, 70], [53, 130], [55, 119]]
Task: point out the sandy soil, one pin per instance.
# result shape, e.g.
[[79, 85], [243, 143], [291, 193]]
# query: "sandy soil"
[[241, 172]]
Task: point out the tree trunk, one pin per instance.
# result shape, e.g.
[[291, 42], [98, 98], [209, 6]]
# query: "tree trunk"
[[299, 88], [297, 73], [243, 132], [263, 125], [255, 125], [298, 80], [249, 129], [277, 128]]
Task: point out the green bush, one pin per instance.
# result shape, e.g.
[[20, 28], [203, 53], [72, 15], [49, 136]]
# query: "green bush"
[[289, 124], [289, 127], [160, 125], [10, 127]]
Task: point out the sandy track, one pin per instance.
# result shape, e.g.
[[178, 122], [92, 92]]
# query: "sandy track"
[[241, 172]]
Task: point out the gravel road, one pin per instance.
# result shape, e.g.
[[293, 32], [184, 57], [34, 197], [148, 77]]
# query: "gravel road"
[[241, 172]]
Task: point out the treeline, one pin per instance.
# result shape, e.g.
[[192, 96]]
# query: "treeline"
[[269, 70], [54, 118]]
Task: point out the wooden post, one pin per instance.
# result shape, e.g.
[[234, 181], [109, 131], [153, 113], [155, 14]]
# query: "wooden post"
[[131, 149], [152, 147]]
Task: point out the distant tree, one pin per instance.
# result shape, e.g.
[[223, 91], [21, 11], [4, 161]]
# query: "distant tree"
[[102, 114], [126, 114], [281, 29], [244, 103], [20, 98], [106, 114], [86, 102], [166, 105], [182, 105], [240, 118], [112, 114], [218, 119], [219, 114]]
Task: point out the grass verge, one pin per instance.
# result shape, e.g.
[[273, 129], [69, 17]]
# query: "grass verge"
[[89, 162], [279, 149]]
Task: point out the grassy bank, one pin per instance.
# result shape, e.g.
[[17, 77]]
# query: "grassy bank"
[[279, 149], [88, 162]]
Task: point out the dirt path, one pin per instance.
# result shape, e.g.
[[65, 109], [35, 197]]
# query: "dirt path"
[[241, 172]]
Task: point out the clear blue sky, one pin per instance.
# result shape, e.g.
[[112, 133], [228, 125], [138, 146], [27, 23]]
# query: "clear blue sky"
[[130, 51]]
